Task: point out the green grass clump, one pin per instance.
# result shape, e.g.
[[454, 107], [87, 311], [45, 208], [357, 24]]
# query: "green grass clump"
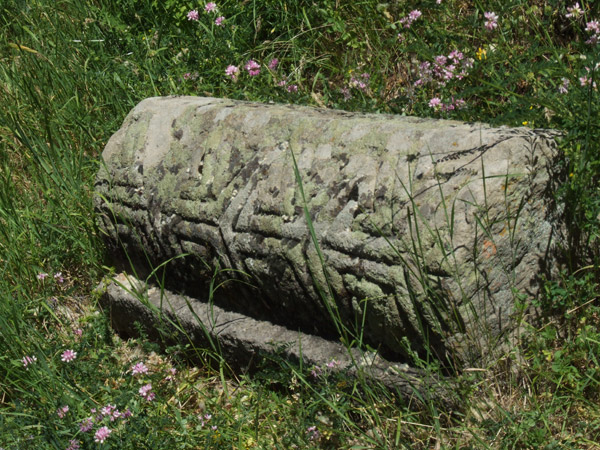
[[69, 73]]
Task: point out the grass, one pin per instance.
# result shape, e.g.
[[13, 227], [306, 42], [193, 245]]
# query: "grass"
[[69, 73]]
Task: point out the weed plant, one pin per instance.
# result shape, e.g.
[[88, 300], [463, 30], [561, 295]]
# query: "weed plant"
[[69, 73]]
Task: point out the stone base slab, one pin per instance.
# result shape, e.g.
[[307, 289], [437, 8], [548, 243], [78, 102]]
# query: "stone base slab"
[[243, 341]]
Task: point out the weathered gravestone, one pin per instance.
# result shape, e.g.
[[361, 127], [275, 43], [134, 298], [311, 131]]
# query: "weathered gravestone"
[[422, 233]]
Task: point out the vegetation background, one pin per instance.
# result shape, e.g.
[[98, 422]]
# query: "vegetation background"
[[69, 73]]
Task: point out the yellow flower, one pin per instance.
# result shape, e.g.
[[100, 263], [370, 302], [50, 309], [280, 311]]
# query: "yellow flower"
[[524, 122], [481, 53]]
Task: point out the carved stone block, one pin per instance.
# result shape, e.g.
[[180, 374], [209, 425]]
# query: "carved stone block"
[[423, 233]]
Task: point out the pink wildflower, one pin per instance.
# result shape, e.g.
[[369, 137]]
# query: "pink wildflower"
[[586, 81], [232, 72], [150, 396], [589, 80], [108, 410], [193, 15], [171, 377], [574, 11], [448, 73], [219, 21], [593, 27], [333, 363], [412, 16], [190, 76], [441, 60], [492, 20], [316, 372], [456, 56], [59, 278], [78, 332], [102, 434], [210, 7], [313, 433], [292, 88], [42, 276], [205, 419], [252, 67], [564, 87], [28, 360], [145, 389], [62, 412], [139, 369], [86, 425], [68, 355], [360, 83], [594, 39], [346, 93], [273, 63], [460, 103], [73, 445], [435, 103]]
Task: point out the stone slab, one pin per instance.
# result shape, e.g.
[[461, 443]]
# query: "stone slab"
[[244, 341]]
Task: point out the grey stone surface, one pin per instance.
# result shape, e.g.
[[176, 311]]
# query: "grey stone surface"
[[243, 341], [428, 229]]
